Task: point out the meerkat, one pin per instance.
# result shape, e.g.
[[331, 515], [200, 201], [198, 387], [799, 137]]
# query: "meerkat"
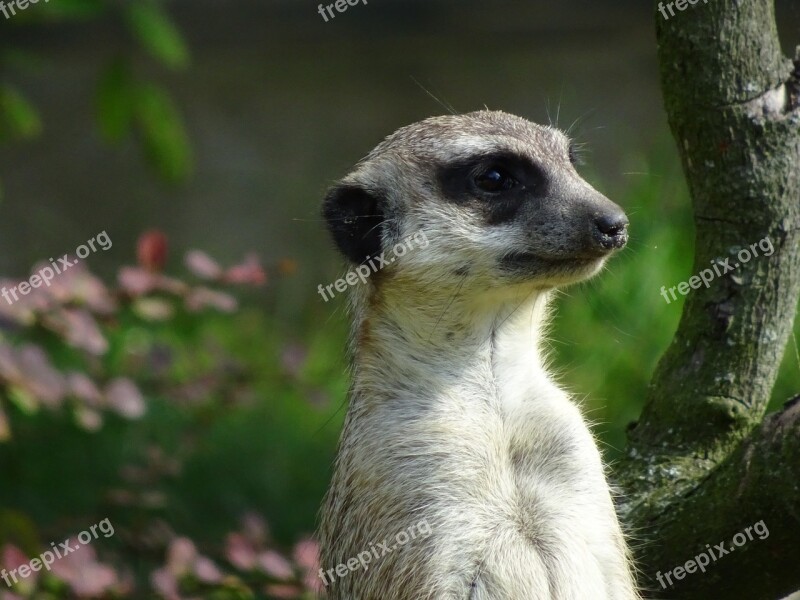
[[453, 419]]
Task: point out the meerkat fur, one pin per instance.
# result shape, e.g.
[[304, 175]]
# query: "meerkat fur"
[[454, 419]]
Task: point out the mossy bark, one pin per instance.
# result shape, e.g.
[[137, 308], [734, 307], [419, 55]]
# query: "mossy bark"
[[702, 463]]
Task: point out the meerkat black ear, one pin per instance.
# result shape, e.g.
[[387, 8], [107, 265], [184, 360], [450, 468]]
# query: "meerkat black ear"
[[355, 219]]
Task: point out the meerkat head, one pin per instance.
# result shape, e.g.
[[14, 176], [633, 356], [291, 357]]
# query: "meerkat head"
[[496, 197]]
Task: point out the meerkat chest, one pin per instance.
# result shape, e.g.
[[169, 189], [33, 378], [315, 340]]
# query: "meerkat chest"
[[496, 479], [489, 441], [500, 468]]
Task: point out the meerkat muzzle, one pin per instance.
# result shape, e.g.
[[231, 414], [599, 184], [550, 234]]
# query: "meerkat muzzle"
[[610, 230]]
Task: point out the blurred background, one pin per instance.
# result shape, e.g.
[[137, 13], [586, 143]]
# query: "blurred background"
[[188, 383]]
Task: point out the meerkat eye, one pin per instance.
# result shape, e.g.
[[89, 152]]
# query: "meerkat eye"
[[495, 179]]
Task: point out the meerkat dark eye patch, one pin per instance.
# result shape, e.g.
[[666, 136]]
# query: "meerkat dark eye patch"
[[499, 183], [355, 220], [486, 175]]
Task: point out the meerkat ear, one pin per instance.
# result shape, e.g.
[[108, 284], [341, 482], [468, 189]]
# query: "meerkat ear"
[[355, 219]]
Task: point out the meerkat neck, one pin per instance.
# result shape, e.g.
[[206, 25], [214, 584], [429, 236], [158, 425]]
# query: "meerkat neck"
[[435, 341]]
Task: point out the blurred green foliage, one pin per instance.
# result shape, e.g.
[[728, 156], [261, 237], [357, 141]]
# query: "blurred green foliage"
[[156, 404], [127, 104]]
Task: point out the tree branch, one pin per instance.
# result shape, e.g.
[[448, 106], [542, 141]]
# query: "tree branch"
[[757, 482], [731, 100]]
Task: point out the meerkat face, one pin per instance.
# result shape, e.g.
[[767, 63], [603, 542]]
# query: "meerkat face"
[[497, 197]]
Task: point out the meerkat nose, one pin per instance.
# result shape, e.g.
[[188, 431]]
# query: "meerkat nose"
[[611, 230]]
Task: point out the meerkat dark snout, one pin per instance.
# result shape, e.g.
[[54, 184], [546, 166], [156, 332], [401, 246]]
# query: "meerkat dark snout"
[[499, 196], [454, 420]]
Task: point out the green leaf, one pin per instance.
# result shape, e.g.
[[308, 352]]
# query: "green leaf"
[[164, 136], [116, 101], [74, 10], [5, 427], [23, 60], [18, 528], [23, 399], [157, 34], [18, 118]]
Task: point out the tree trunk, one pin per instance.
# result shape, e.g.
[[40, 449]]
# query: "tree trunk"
[[702, 463]]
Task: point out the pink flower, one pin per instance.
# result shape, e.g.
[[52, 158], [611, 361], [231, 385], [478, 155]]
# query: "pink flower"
[[124, 397], [151, 250], [249, 272], [202, 265], [86, 577]]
